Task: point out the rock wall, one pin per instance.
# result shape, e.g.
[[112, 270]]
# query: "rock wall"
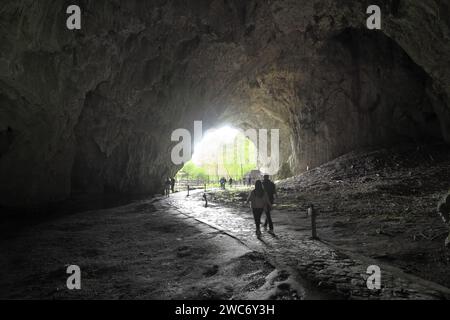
[[92, 110]]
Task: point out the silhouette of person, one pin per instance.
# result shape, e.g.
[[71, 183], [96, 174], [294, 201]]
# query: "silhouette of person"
[[172, 184], [167, 186], [223, 182], [271, 191], [230, 182], [259, 200]]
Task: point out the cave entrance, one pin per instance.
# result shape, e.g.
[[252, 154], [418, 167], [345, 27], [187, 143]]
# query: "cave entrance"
[[224, 152]]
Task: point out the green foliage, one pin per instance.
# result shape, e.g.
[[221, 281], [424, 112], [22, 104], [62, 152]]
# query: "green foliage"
[[191, 171], [232, 162]]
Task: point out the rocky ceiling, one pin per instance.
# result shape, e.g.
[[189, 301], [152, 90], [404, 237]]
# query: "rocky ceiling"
[[93, 110]]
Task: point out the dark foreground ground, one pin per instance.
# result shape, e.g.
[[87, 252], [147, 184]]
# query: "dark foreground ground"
[[131, 252], [144, 250], [375, 208]]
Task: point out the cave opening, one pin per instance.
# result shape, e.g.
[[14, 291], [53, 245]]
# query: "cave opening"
[[222, 152]]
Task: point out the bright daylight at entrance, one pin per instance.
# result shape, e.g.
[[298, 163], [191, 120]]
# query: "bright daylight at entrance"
[[222, 153]]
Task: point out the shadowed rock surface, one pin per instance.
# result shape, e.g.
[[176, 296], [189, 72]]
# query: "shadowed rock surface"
[[92, 111]]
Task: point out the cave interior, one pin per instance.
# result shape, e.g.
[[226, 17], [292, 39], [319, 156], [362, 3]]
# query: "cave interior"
[[90, 112]]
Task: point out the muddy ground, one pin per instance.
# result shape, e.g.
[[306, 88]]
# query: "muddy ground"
[[375, 203]]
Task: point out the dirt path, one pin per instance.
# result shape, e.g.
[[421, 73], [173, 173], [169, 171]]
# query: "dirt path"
[[318, 264], [145, 250]]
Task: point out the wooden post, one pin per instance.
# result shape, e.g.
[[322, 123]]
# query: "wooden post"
[[312, 212]]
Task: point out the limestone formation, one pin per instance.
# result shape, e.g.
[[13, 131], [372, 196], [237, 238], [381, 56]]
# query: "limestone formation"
[[92, 110]]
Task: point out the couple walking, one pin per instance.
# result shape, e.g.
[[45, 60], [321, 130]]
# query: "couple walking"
[[262, 199]]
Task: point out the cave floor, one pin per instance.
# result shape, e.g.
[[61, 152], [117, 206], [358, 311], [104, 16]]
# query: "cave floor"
[[177, 249], [375, 204], [147, 249], [376, 208], [319, 264]]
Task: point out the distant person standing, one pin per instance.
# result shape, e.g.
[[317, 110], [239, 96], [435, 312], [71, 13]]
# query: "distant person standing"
[[259, 201], [270, 189], [249, 180], [167, 186], [223, 181], [172, 184], [230, 182]]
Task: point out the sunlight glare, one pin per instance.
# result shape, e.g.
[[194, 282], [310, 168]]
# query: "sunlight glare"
[[212, 142]]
